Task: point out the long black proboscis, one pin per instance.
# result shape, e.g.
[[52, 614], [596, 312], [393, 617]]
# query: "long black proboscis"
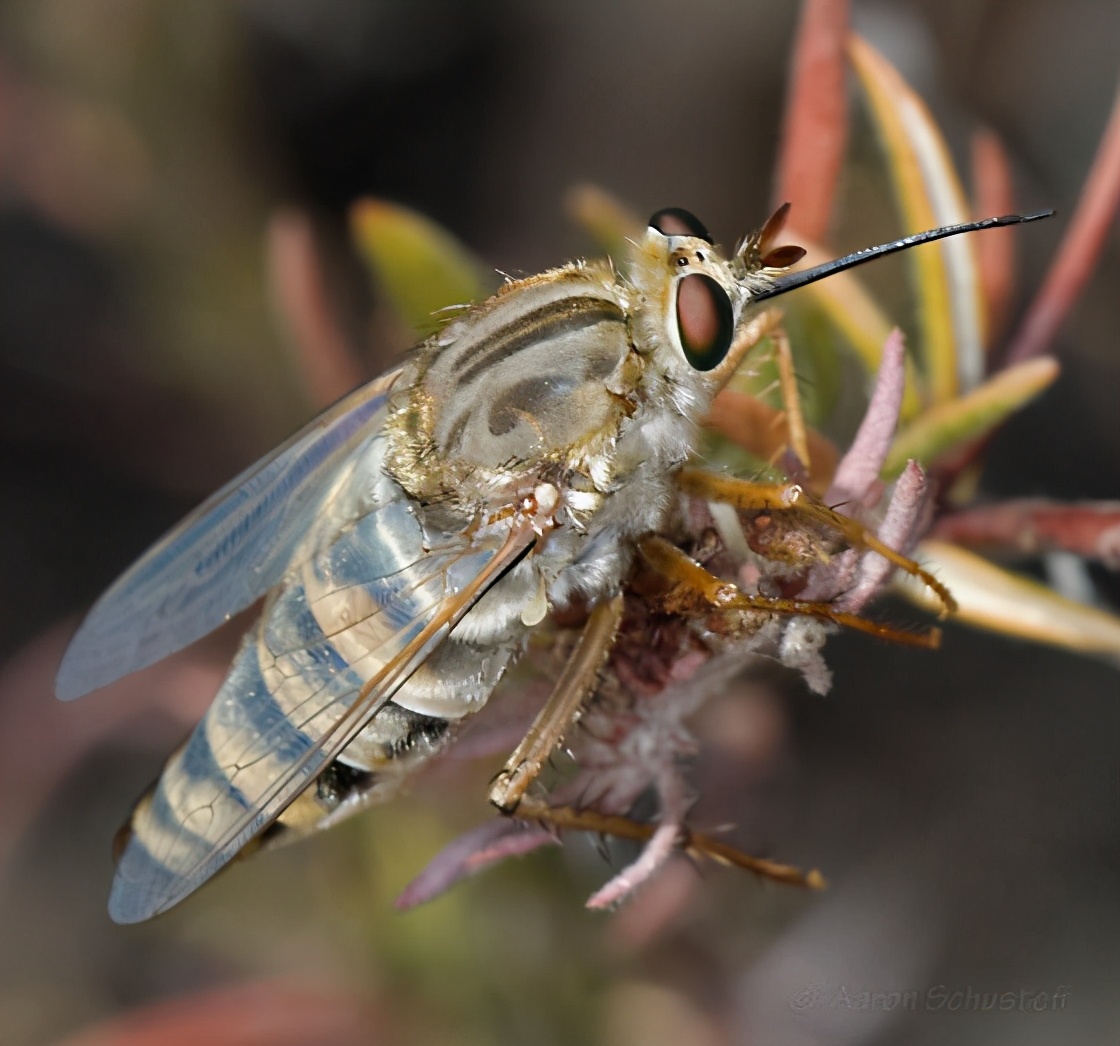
[[793, 280]]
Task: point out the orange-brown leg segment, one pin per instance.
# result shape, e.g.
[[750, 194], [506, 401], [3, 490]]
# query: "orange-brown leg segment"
[[791, 399], [792, 498], [567, 818], [578, 679], [750, 334], [693, 589]]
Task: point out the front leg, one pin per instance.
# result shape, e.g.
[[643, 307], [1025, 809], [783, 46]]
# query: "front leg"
[[794, 499], [691, 590]]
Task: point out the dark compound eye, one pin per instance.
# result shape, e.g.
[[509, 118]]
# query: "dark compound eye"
[[676, 221], [705, 321]]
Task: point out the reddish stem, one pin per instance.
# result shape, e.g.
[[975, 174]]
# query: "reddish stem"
[[1079, 251], [1030, 526], [815, 130], [328, 363], [995, 248]]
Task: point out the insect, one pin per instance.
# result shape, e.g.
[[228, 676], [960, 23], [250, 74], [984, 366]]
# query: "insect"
[[408, 540]]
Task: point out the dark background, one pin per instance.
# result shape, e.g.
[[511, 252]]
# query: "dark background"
[[963, 804]]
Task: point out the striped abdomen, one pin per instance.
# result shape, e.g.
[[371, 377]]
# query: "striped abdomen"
[[337, 621]]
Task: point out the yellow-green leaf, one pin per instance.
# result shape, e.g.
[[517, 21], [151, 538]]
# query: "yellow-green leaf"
[[1003, 601], [609, 221], [929, 194], [420, 265], [948, 425]]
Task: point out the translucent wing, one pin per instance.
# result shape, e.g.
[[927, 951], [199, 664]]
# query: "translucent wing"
[[334, 646], [224, 555]]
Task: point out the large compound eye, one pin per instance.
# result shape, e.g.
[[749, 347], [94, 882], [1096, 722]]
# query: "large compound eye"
[[705, 320], [676, 221]]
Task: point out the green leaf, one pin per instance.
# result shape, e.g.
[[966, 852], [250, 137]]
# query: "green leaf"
[[420, 265], [949, 425]]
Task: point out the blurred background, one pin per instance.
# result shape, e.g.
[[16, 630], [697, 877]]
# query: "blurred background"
[[963, 805]]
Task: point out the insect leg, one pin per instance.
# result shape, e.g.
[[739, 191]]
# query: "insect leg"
[[567, 818], [792, 498], [791, 398], [692, 589], [576, 681], [751, 334]]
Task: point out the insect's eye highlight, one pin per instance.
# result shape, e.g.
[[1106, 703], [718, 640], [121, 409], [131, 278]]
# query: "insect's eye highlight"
[[676, 221], [705, 321]]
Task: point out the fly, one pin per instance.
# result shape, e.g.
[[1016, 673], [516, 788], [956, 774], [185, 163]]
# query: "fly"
[[531, 456]]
